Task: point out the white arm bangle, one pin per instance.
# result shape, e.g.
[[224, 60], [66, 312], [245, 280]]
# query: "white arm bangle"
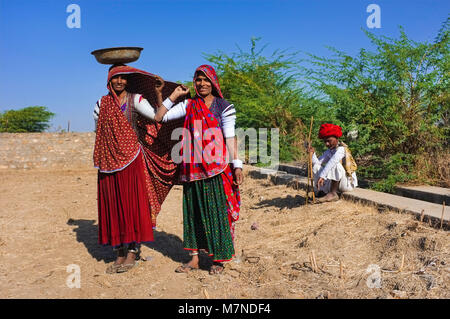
[[168, 103], [237, 163]]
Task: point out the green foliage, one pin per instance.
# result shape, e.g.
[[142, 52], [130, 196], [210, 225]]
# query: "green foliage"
[[29, 119], [396, 98], [264, 91]]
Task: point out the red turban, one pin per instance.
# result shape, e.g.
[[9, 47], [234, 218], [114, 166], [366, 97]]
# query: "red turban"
[[327, 130]]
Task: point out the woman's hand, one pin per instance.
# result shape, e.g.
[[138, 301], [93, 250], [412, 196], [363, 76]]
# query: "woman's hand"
[[180, 90], [159, 84], [238, 176]]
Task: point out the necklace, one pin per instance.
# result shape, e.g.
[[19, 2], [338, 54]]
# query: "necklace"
[[123, 103], [124, 98]]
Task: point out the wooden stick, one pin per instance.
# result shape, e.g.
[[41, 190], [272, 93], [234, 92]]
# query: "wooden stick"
[[442, 216], [314, 262], [307, 188], [310, 128], [312, 182], [310, 172], [422, 214]]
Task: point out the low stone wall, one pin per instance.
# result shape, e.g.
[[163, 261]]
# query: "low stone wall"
[[46, 150]]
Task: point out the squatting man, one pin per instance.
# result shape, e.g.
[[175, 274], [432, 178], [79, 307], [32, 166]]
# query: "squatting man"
[[335, 169]]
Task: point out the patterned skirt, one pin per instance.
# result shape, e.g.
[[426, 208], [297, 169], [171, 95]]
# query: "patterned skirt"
[[123, 208], [205, 218]]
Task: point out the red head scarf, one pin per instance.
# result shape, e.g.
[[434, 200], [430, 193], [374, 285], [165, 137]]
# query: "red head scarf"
[[198, 122], [116, 143], [327, 130], [210, 73], [139, 81]]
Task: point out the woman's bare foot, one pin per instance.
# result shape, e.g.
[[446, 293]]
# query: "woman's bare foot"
[[121, 256], [133, 254], [193, 264], [130, 259], [216, 268], [118, 262]]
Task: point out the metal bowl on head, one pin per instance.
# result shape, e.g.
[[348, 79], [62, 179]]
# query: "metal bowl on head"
[[117, 55]]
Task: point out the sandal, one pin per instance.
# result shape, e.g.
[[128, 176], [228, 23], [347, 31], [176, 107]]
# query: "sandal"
[[112, 269], [185, 268], [127, 267], [216, 269]]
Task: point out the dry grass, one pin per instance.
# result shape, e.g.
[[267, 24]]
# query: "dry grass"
[[348, 234], [48, 221]]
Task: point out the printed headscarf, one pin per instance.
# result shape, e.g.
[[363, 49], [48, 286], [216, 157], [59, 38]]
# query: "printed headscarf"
[[210, 73], [116, 143]]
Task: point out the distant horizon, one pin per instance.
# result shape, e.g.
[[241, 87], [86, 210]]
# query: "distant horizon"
[[46, 58]]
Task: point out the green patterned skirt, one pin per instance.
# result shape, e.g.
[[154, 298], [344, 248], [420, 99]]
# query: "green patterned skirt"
[[205, 218]]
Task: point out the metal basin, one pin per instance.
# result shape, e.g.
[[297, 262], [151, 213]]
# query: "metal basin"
[[117, 55]]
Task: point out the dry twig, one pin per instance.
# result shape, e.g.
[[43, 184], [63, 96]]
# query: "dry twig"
[[402, 264]]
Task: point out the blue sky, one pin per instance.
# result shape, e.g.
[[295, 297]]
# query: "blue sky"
[[43, 62]]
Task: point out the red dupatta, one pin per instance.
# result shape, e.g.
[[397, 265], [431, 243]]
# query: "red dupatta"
[[204, 147], [116, 143], [118, 139]]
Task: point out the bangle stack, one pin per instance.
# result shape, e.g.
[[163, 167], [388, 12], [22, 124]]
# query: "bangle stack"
[[237, 163]]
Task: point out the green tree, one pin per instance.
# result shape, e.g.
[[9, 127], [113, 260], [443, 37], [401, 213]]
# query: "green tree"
[[396, 98], [265, 92], [29, 119]]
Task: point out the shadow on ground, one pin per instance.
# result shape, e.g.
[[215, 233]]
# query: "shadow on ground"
[[288, 202], [169, 245], [87, 233]]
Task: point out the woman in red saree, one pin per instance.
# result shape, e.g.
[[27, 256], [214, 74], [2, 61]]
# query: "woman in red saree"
[[135, 171], [211, 197]]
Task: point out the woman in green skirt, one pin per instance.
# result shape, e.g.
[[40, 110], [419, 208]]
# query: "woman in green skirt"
[[211, 197]]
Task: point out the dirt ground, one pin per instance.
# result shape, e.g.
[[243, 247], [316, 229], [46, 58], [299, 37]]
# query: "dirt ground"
[[48, 221]]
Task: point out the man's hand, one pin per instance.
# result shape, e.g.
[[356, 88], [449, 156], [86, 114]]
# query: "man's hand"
[[320, 182], [238, 176]]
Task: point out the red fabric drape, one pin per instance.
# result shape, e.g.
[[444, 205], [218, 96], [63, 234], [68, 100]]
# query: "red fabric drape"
[[204, 148], [123, 206], [154, 139]]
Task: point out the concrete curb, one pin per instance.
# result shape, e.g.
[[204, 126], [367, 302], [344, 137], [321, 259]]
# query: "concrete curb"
[[437, 195], [432, 212]]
